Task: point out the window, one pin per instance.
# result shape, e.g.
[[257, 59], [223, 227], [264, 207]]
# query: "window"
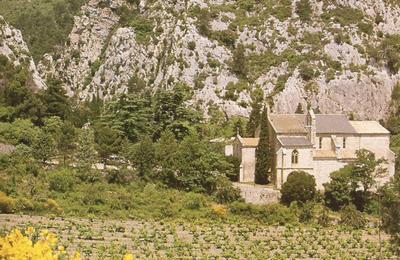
[[320, 143], [295, 157], [344, 142]]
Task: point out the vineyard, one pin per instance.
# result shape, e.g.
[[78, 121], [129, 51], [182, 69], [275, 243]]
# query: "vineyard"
[[96, 239]]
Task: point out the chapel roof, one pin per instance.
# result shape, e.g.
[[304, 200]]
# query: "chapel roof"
[[253, 142], [369, 127], [325, 124], [288, 123]]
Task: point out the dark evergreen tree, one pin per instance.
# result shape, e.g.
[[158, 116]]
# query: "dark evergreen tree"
[[299, 109], [263, 152], [108, 142], [257, 97], [56, 99], [239, 65]]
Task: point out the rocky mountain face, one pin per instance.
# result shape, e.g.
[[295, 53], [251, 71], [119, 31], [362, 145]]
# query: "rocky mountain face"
[[13, 46], [340, 56]]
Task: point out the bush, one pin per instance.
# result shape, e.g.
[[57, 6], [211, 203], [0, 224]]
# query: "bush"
[[225, 192], [306, 71], [353, 218], [61, 180], [7, 204], [300, 186], [269, 214], [119, 176], [303, 10]]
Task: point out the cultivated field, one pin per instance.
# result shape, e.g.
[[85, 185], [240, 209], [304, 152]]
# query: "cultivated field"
[[165, 240]]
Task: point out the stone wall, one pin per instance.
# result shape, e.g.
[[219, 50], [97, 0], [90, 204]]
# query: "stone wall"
[[257, 194]]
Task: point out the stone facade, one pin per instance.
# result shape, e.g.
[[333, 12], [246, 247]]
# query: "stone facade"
[[316, 144]]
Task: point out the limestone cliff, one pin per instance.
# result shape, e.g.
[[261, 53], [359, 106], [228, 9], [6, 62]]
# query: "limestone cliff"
[[334, 54], [13, 46]]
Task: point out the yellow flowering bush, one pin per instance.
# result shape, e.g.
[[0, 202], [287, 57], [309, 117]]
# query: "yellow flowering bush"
[[7, 204], [30, 244]]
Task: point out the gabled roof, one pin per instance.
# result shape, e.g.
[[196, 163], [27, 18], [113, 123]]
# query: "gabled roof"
[[325, 124], [288, 123], [294, 141], [369, 127], [333, 124], [252, 142]]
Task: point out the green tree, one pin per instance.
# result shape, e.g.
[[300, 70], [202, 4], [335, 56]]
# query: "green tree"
[[299, 109], [130, 114], [86, 152], [353, 183], [172, 114], [43, 147], [239, 64], [67, 142], [300, 187], [263, 152], [338, 192], [255, 114], [108, 142], [55, 98], [390, 195], [166, 157], [142, 156]]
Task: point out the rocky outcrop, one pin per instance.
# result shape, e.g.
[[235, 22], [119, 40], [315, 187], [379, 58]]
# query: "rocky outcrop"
[[13, 46], [105, 56]]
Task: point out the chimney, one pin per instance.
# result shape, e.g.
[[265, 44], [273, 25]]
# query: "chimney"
[[311, 126]]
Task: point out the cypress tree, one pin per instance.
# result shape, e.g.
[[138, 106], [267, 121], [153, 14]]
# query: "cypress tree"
[[299, 109], [263, 152], [254, 119]]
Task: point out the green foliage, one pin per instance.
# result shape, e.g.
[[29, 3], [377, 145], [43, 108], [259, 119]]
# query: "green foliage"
[[282, 10], [390, 49], [307, 72], [338, 191], [255, 114], [233, 90], [43, 147], [366, 27], [61, 180], [268, 214], [264, 154], [299, 186], [352, 184], [344, 15], [353, 218], [239, 65], [45, 25], [142, 155], [304, 10], [390, 195], [56, 99], [131, 115], [86, 153], [142, 25], [108, 141]]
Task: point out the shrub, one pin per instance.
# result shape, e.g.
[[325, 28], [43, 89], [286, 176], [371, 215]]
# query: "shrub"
[[300, 186], [52, 205], [306, 71], [303, 10], [119, 176], [269, 214], [219, 211], [353, 218], [225, 192], [61, 180], [7, 204]]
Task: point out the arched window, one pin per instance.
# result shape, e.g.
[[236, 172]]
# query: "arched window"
[[344, 142], [295, 157]]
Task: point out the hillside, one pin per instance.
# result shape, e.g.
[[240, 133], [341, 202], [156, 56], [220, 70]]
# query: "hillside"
[[341, 56]]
